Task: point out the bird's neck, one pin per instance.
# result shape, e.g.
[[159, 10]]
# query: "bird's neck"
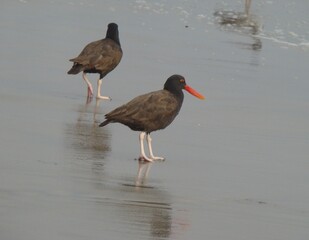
[[178, 94], [180, 97], [114, 36]]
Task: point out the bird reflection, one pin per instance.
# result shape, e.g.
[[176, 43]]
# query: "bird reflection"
[[96, 110], [161, 223], [161, 220], [87, 141], [142, 210], [142, 173], [242, 22], [155, 218]]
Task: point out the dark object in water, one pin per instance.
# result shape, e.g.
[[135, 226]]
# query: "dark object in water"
[[241, 19], [231, 17]]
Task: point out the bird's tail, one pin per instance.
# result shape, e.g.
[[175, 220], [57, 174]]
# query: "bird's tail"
[[104, 123], [77, 68]]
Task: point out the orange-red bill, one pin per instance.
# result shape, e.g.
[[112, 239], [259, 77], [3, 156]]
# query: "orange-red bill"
[[194, 92]]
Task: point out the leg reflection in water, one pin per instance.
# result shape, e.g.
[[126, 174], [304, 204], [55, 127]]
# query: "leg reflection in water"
[[142, 173]]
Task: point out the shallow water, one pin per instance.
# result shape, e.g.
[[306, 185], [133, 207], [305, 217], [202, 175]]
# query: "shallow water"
[[236, 164]]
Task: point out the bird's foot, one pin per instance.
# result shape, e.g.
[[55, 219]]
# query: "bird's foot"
[[144, 159], [104, 97], [157, 158], [153, 158]]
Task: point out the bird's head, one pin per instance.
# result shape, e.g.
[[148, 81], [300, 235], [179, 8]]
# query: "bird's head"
[[176, 83]]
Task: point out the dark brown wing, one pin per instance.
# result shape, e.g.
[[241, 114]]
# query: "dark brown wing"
[[148, 112], [102, 55]]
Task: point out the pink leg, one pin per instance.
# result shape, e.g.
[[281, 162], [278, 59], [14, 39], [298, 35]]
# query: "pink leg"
[[90, 89], [143, 156], [99, 96], [149, 140]]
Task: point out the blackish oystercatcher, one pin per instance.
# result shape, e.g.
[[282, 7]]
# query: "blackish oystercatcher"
[[152, 111], [100, 57]]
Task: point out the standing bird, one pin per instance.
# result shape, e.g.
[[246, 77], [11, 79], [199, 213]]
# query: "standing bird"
[[152, 111], [100, 57]]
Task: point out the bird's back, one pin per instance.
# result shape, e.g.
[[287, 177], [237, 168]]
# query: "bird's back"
[[100, 56], [148, 112]]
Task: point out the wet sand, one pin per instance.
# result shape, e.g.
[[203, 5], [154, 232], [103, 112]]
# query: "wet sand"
[[236, 164]]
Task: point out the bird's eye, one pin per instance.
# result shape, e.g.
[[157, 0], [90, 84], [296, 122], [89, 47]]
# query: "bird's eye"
[[182, 80]]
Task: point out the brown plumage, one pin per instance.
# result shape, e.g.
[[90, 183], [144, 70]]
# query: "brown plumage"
[[152, 111], [100, 57], [148, 112]]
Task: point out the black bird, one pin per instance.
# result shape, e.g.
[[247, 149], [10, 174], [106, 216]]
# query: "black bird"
[[100, 57], [152, 111]]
